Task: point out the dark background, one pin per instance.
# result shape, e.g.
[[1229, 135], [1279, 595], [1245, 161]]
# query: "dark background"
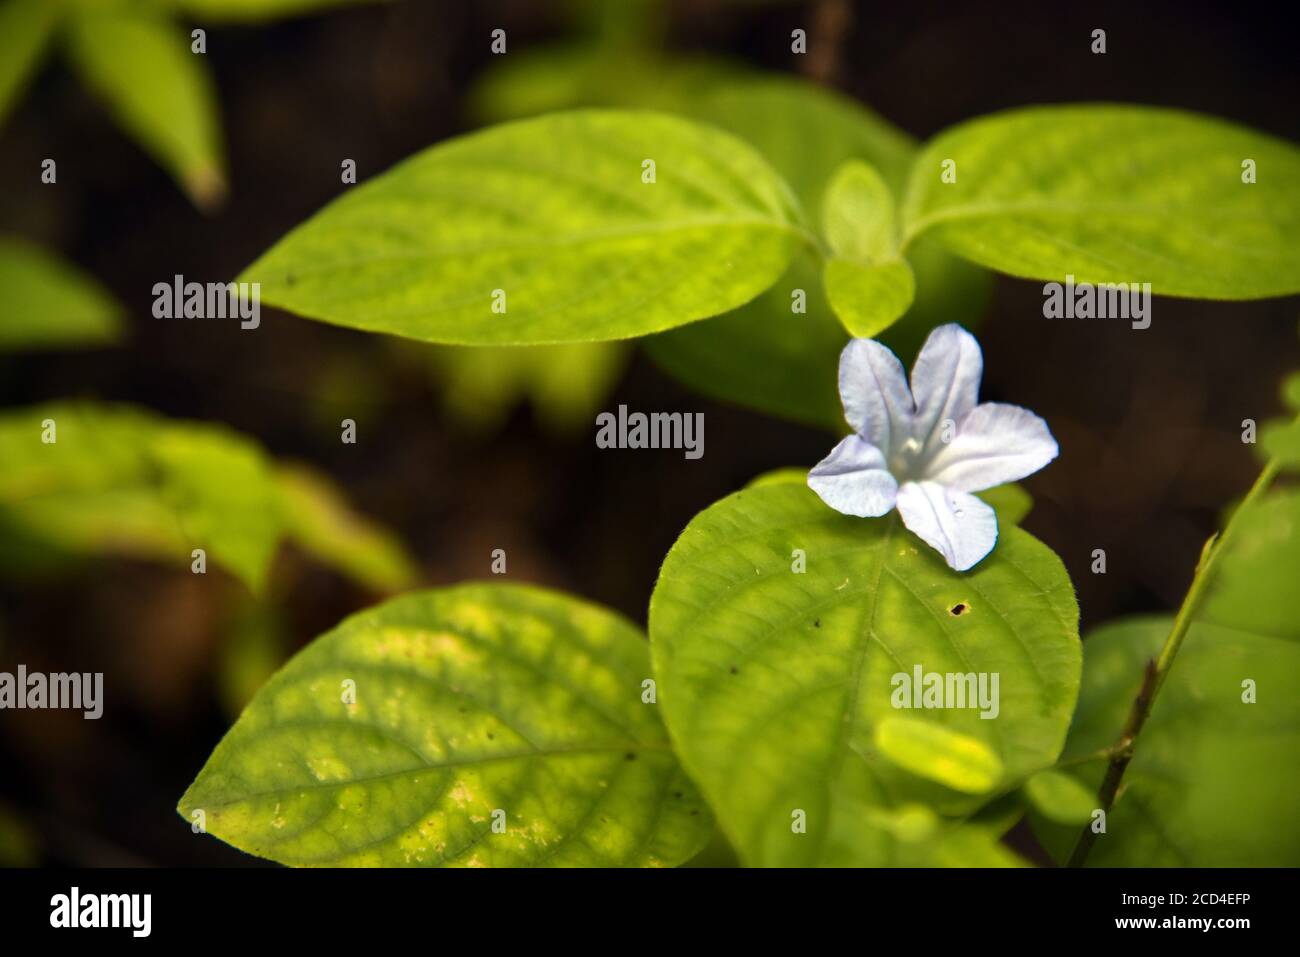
[[1149, 422]]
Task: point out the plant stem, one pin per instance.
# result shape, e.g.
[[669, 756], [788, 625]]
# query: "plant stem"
[[1157, 669]]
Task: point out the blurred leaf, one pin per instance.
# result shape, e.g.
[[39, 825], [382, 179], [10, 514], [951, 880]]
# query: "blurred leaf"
[[858, 215], [764, 355], [319, 520], [1259, 569], [869, 298], [1010, 501], [125, 481], [254, 11], [1280, 439], [1114, 194], [1291, 391], [469, 702], [549, 220], [773, 682], [50, 304], [961, 762], [1213, 779], [555, 78], [160, 92], [19, 845], [1060, 797], [252, 650], [566, 384], [25, 30]]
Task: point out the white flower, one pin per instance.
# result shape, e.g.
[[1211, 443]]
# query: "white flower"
[[925, 449]]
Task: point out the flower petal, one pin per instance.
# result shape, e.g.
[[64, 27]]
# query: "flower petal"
[[853, 479], [945, 381], [995, 443], [873, 388], [959, 526]]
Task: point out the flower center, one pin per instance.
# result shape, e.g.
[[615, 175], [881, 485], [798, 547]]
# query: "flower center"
[[905, 464]]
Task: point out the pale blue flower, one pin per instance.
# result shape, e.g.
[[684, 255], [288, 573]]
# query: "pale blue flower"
[[928, 447]]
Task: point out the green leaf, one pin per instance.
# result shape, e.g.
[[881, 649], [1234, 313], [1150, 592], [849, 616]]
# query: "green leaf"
[[1280, 439], [25, 30], [468, 701], [869, 298], [1010, 501], [1113, 194], [1060, 797], [122, 480], [549, 221], [566, 384], [763, 355], [1291, 391], [257, 11], [1213, 779], [318, 519], [159, 91], [774, 681], [1259, 568], [962, 763], [858, 215], [49, 303]]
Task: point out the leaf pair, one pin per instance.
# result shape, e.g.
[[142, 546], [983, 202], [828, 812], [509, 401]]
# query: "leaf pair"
[[601, 224]]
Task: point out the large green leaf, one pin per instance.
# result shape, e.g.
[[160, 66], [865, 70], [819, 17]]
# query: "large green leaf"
[[51, 304], [1115, 194], [472, 704], [1258, 571], [763, 355], [549, 221], [159, 91], [1213, 779], [25, 30], [774, 681]]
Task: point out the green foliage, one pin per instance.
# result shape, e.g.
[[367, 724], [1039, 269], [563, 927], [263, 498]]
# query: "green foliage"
[[321, 523], [472, 704], [1115, 194], [160, 92], [764, 355], [121, 480], [1212, 781], [1010, 501], [566, 384], [26, 27], [551, 222], [774, 683], [1059, 797], [140, 63], [256, 11], [49, 303], [1259, 570]]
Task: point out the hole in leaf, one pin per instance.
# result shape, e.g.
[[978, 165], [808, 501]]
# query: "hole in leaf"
[[959, 609]]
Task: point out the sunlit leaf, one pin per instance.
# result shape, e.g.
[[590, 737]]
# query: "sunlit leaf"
[[765, 355], [159, 91], [774, 679], [544, 231], [25, 30], [472, 705], [49, 303], [1059, 797], [962, 763], [1115, 194], [319, 520]]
